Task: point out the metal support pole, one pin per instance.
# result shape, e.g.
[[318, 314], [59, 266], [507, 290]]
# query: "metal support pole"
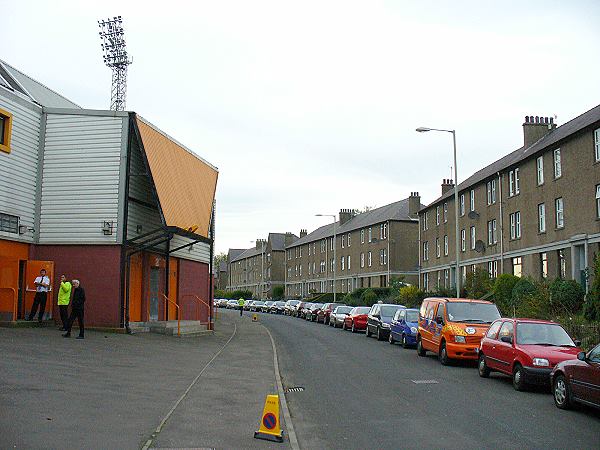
[[456, 231]]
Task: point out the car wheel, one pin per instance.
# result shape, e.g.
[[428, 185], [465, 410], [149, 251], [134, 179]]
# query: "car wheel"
[[391, 339], [443, 355], [378, 334], [367, 332], [518, 378], [562, 394], [484, 370], [404, 342], [353, 328], [420, 350]]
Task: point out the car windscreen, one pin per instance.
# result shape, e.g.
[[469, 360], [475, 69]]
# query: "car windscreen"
[[293, 302], [258, 303], [280, 303], [388, 310], [316, 306], [342, 309], [472, 312], [543, 334], [361, 310], [412, 316], [268, 303]]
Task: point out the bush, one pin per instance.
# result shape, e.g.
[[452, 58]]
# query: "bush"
[[478, 283], [411, 296], [241, 294], [533, 305], [368, 297], [591, 309], [566, 296], [503, 288], [278, 292], [443, 292], [523, 288]]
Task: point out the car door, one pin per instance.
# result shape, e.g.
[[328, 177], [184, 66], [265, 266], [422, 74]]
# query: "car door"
[[585, 382], [396, 325], [438, 324], [371, 318], [504, 352], [488, 344], [427, 324]]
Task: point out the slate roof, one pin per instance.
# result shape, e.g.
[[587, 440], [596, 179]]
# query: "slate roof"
[[33, 89], [585, 120], [277, 241], [394, 211]]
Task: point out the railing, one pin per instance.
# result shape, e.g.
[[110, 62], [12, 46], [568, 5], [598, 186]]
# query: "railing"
[[178, 315], [14, 302], [200, 302]]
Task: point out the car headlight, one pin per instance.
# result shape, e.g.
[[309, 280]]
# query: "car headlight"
[[413, 330], [460, 339], [540, 362], [385, 325]]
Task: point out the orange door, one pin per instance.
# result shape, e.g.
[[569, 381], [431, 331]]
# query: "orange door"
[[32, 271], [9, 286], [173, 278], [135, 288]]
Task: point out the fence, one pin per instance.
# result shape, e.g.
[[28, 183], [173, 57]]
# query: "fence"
[[588, 334]]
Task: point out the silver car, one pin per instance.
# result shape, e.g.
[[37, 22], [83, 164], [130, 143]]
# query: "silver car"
[[336, 319]]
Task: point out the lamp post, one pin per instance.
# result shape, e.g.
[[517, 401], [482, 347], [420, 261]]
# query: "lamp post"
[[456, 231], [262, 266], [334, 250]]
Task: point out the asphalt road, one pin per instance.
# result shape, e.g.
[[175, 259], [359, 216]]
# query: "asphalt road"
[[359, 393]]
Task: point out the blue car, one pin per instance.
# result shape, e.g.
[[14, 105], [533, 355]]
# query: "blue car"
[[404, 327]]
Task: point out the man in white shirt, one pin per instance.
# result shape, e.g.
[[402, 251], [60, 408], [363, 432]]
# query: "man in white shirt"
[[42, 285]]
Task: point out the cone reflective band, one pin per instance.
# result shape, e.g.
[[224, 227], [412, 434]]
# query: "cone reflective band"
[[270, 429]]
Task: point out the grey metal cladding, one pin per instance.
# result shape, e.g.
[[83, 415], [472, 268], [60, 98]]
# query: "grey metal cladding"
[[19, 168], [80, 185], [199, 252]]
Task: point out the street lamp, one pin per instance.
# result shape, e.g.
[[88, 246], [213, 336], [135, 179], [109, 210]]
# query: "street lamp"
[[262, 266], [456, 231], [334, 249]]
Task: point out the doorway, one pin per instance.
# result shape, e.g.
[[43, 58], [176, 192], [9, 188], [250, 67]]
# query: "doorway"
[[154, 286]]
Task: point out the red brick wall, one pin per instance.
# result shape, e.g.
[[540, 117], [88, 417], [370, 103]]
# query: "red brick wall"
[[98, 269], [193, 279]]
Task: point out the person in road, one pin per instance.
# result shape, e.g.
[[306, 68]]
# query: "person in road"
[[42, 286], [241, 306], [77, 310], [64, 297]]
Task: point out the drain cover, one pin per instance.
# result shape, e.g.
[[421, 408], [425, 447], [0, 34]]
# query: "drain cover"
[[295, 389], [424, 381]]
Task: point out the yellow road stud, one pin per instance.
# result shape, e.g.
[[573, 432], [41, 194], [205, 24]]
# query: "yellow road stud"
[[254, 317], [270, 429]]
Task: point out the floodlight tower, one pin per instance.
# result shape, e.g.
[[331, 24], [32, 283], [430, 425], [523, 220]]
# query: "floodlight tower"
[[115, 57]]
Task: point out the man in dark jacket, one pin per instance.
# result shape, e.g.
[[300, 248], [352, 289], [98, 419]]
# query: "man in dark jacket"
[[77, 309]]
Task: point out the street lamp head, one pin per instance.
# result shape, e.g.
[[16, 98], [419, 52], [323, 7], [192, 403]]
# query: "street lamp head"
[[423, 129]]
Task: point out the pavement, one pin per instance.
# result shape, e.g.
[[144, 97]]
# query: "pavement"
[[112, 391], [360, 393]]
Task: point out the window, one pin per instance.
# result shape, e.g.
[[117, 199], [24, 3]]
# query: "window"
[[491, 192], [343, 263], [323, 245], [425, 220], [349, 239], [463, 239], [385, 230], [9, 224], [445, 212], [463, 275], [439, 315], [560, 218], [446, 277], [369, 259], [5, 131], [557, 164], [513, 182], [462, 204], [597, 145], [300, 252], [331, 244], [437, 247], [425, 282], [362, 260], [544, 265], [437, 215], [362, 236], [598, 201], [515, 225], [492, 238], [348, 262], [517, 265], [542, 217], [314, 266], [425, 251], [493, 269], [472, 238], [370, 235], [562, 264], [472, 200], [380, 231], [382, 257], [540, 170], [507, 330], [446, 245], [493, 331], [300, 269], [343, 240]]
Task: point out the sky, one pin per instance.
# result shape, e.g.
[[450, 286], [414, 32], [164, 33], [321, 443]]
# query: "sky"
[[311, 107]]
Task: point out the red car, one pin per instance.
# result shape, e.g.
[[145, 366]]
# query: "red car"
[[526, 349], [356, 320], [577, 380], [324, 313]]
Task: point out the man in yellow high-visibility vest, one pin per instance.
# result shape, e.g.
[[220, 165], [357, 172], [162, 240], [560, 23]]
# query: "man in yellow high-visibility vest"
[[241, 306]]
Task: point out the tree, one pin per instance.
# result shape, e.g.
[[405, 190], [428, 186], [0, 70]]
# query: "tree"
[[278, 292], [218, 259], [478, 283]]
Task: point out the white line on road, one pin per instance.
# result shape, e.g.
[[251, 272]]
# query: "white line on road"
[[164, 421]]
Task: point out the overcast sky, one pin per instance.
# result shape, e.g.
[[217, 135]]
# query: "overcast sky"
[[309, 107]]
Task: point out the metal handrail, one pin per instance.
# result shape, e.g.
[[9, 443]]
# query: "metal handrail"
[[14, 312], [195, 297], [178, 315], [210, 326]]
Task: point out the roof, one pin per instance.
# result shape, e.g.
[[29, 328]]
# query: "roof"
[[554, 136], [234, 253], [394, 211], [185, 183], [33, 89], [223, 266], [277, 241]]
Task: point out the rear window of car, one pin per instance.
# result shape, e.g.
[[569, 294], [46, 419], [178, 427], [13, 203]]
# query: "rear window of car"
[[361, 310], [389, 310], [342, 309]]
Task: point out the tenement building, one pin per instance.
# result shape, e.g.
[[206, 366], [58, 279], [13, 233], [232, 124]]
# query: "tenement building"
[[358, 250], [534, 212], [260, 268]]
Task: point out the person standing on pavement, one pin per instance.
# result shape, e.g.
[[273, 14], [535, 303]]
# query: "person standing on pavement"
[[76, 310], [42, 285], [64, 297], [241, 306]]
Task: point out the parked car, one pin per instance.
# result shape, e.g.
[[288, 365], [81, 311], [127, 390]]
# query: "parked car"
[[257, 305], [526, 349], [296, 309], [356, 320], [311, 312], [289, 306], [232, 304], [577, 380], [379, 319], [303, 310], [404, 327], [267, 306], [277, 307], [337, 316], [324, 313], [453, 328], [247, 305]]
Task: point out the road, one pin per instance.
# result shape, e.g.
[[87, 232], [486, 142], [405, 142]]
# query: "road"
[[360, 393]]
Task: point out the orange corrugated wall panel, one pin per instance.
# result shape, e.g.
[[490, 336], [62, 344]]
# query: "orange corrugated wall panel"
[[185, 184]]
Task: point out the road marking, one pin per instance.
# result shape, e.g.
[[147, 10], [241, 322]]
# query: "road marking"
[[164, 421], [284, 406], [424, 381], [294, 389]]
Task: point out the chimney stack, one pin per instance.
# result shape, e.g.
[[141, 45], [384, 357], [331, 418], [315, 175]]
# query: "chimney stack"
[[260, 244], [534, 128], [289, 238], [303, 233], [414, 204], [447, 184], [345, 215]]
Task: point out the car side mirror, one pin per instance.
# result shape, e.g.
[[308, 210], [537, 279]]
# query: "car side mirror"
[[507, 339], [577, 342], [580, 355]]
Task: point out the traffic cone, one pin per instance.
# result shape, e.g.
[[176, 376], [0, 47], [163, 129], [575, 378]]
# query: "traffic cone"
[[270, 429]]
